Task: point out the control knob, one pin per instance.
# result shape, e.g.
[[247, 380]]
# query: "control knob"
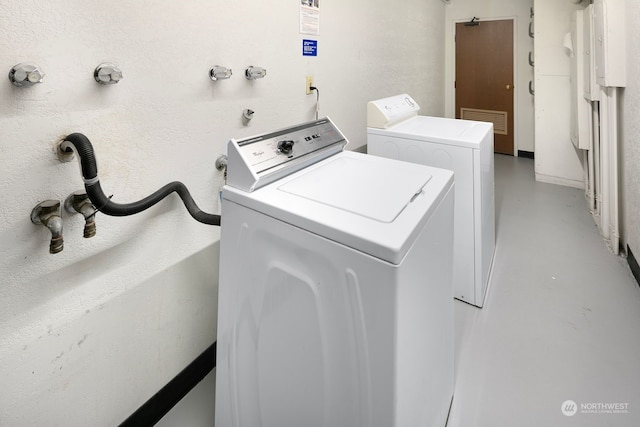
[[285, 147]]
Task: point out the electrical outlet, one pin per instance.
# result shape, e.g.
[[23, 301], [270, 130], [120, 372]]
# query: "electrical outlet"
[[309, 84]]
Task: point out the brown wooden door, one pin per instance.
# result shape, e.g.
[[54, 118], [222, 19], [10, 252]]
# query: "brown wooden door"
[[484, 77]]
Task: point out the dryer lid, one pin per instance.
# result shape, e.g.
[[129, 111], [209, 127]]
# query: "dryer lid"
[[461, 133]]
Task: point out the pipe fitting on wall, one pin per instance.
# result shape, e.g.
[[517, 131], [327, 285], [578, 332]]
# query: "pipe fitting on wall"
[[25, 74], [219, 72], [78, 202], [221, 165], [254, 73], [247, 115], [107, 74], [47, 213]]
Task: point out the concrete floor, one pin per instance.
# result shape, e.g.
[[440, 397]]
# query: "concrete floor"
[[560, 321]]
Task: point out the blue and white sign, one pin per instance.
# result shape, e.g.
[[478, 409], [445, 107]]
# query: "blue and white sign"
[[309, 47]]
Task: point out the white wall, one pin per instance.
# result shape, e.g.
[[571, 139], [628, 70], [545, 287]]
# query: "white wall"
[[89, 334], [630, 150], [557, 160], [519, 11]]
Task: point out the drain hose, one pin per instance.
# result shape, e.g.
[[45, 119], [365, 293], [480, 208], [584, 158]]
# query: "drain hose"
[[82, 146]]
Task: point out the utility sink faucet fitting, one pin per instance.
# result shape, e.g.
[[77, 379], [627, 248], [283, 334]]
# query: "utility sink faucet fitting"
[[78, 202], [47, 213]]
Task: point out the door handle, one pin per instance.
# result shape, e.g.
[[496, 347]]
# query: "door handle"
[[531, 91], [508, 87]]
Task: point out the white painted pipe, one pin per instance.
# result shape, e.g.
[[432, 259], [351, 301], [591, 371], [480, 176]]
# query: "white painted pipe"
[[597, 176], [614, 178], [605, 164], [590, 161], [609, 209]]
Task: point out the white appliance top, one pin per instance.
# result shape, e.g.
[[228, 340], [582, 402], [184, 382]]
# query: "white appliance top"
[[372, 204], [386, 112], [462, 133]]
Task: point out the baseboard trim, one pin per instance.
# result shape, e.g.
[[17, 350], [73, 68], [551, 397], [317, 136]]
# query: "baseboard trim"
[[163, 401], [526, 154], [633, 265], [547, 179]]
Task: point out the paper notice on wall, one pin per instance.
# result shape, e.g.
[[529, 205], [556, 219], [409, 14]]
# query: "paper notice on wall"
[[310, 17]]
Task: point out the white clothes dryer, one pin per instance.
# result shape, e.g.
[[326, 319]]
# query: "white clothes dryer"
[[395, 130], [335, 293]]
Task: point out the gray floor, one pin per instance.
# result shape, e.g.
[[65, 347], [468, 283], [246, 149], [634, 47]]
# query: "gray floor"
[[561, 320]]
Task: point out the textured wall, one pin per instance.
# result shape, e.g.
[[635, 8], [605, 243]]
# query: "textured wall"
[[630, 150], [89, 334]]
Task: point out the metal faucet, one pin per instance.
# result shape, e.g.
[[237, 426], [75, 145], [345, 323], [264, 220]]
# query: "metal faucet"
[[78, 202], [47, 213]]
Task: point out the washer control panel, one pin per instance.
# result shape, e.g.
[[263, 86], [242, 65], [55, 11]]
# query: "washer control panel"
[[271, 156]]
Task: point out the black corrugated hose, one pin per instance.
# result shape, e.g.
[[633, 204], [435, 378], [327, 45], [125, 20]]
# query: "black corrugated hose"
[[82, 146]]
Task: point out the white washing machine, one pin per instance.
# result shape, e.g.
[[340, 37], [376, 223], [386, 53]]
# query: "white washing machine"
[[335, 294], [395, 130]]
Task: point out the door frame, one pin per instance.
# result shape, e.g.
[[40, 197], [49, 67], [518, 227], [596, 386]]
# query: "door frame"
[[451, 93]]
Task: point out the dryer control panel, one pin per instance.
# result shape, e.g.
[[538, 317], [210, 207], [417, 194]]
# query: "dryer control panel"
[[386, 112], [259, 160]]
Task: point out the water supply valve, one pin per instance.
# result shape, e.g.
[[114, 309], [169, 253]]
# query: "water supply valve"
[[78, 202], [25, 74], [47, 213], [220, 73], [253, 73], [247, 115], [221, 165], [107, 74]]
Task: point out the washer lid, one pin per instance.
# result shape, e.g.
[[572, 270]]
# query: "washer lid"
[[462, 133], [361, 188], [374, 205]]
